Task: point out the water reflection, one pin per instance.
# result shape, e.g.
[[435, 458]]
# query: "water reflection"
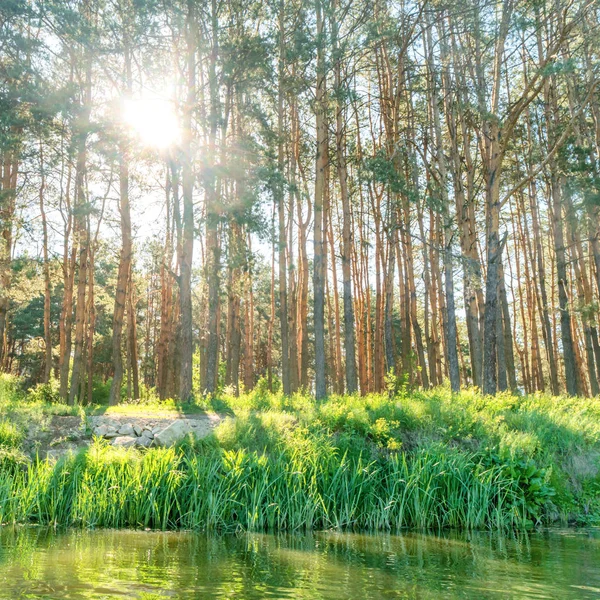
[[40, 563]]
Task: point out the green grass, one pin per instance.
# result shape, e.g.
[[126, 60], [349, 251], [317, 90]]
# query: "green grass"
[[208, 488], [420, 459], [22, 409], [544, 441]]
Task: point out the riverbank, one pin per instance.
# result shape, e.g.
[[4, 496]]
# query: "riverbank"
[[420, 459]]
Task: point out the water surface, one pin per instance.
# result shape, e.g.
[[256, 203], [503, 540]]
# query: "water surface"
[[40, 563]]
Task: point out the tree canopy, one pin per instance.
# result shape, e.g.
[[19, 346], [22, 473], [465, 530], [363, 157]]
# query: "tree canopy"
[[334, 195]]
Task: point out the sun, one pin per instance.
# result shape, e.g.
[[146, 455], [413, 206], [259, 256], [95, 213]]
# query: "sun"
[[154, 121]]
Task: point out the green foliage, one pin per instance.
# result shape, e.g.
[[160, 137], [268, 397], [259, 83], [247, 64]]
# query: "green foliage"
[[45, 392], [101, 390], [10, 436], [381, 169], [536, 492], [559, 438], [396, 384], [210, 488], [10, 388], [379, 462]]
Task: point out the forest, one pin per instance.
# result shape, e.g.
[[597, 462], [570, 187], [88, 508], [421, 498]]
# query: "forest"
[[336, 196], [299, 299]]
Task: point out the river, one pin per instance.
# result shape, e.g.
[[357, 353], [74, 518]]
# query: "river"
[[73, 564]]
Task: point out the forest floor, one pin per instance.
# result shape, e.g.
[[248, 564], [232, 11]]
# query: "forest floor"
[[462, 453]]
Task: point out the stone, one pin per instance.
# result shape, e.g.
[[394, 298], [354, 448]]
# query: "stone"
[[137, 429], [172, 434], [157, 428], [105, 430], [147, 433], [144, 441], [126, 430], [125, 441]]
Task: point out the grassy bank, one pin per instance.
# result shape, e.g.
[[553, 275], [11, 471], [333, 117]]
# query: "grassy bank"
[[425, 460]]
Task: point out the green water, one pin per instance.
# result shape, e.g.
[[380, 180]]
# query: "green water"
[[38, 563]]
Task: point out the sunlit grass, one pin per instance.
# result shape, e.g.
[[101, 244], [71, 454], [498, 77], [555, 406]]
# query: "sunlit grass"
[[209, 488], [418, 459]]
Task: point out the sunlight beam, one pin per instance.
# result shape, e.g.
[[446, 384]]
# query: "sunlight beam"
[[153, 120]]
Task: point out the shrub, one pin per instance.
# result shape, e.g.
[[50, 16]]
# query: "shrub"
[[10, 436], [10, 388], [47, 393]]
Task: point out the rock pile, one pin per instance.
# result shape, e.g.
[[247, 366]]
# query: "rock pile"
[[159, 431], [57, 435]]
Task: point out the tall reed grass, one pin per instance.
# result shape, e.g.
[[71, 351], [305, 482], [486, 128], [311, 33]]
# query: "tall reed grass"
[[417, 459], [219, 490]]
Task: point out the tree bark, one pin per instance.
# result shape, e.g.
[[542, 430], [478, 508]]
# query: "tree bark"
[[321, 165], [340, 147], [47, 283], [80, 220], [280, 195], [187, 180]]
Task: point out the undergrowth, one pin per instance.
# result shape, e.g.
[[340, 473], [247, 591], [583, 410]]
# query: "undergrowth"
[[205, 487], [420, 459]]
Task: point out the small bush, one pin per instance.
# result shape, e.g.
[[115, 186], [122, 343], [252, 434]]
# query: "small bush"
[[10, 388], [46, 393], [10, 436], [11, 460]]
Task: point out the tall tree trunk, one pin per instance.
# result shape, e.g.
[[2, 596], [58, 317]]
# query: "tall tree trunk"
[[80, 220], [122, 277], [166, 295], [8, 190], [347, 241], [212, 194], [509, 356], [187, 180], [543, 296], [450, 315], [91, 318], [293, 324], [280, 195], [319, 255], [556, 191], [132, 337], [47, 284], [66, 316], [562, 280], [389, 293]]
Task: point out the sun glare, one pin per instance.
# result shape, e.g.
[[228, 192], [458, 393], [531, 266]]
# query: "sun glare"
[[153, 120]]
